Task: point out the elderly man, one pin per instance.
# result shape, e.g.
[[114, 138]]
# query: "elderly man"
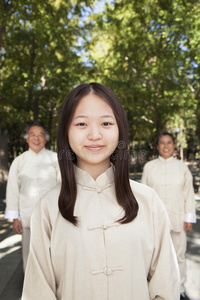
[[31, 175]]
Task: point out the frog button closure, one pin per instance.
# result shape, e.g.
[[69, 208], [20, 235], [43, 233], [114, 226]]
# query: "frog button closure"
[[107, 271], [98, 189], [104, 226]]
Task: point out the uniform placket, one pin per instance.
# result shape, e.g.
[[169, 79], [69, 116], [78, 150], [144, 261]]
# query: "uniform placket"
[[164, 195], [107, 269]]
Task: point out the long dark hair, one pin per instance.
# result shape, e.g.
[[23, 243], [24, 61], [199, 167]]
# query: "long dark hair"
[[119, 158]]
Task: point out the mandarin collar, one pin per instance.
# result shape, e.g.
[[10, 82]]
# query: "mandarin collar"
[[34, 153], [85, 179], [168, 160]]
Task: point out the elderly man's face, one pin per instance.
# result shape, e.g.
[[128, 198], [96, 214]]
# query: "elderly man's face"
[[36, 138]]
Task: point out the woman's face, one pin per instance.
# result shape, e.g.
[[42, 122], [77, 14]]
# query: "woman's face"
[[165, 146], [93, 133]]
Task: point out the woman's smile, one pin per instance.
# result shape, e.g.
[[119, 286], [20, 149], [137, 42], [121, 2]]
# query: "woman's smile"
[[94, 147], [93, 133]]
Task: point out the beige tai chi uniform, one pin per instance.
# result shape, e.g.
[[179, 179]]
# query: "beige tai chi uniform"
[[31, 175], [172, 180], [101, 259]]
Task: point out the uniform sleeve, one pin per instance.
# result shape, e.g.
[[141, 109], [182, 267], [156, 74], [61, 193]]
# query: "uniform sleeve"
[[164, 278], [58, 174], [188, 191], [144, 178], [13, 191], [57, 168], [39, 282]]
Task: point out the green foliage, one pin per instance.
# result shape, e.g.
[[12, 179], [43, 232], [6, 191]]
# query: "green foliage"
[[146, 51], [139, 50], [39, 61]]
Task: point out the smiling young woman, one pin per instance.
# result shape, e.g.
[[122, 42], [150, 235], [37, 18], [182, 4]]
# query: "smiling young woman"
[[93, 134], [94, 100], [99, 235]]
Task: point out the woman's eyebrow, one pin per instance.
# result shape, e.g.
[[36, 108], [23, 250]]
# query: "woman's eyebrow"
[[107, 116], [103, 116], [80, 116]]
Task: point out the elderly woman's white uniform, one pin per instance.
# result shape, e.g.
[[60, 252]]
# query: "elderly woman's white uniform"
[[172, 180], [101, 259], [31, 175]]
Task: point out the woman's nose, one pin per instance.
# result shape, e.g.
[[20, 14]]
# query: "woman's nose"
[[94, 134]]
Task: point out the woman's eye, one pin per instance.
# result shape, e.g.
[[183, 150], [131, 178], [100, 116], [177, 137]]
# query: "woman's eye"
[[81, 124], [106, 124]]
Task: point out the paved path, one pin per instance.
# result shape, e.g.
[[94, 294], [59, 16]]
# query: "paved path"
[[193, 257], [11, 272]]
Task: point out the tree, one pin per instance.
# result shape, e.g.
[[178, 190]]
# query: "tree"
[[137, 48], [40, 62]]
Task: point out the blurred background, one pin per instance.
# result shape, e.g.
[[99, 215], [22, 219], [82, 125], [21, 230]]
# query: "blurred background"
[[148, 52]]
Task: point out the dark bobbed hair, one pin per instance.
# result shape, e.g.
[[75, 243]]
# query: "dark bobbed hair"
[[119, 158], [164, 134]]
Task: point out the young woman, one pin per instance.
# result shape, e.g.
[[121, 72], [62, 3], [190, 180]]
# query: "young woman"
[[99, 236], [173, 182]]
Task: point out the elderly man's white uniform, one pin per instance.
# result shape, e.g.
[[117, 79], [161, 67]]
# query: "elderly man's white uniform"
[[101, 259], [31, 175], [172, 180]]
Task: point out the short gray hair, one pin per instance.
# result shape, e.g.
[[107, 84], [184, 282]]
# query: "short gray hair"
[[39, 124]]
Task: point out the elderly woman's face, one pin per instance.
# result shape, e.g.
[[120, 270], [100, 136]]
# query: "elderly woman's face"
[[165, 146]]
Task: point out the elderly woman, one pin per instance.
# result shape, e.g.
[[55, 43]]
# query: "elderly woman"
[[172, 180]]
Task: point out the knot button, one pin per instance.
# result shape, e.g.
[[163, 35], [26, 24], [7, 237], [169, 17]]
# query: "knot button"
[[107, 271], [98, 189], [104, 227]]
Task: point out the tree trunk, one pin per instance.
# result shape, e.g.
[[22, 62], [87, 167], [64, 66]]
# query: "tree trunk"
[[31, 73]]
